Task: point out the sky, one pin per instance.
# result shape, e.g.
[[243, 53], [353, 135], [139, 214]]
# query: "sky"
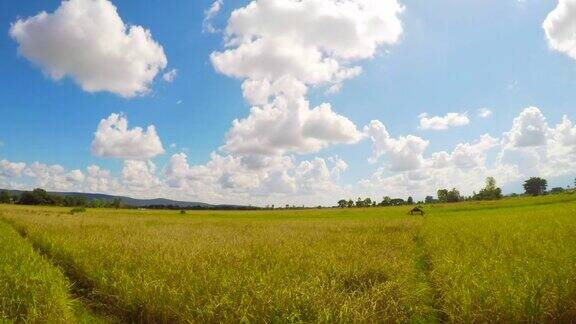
[[284, 101]]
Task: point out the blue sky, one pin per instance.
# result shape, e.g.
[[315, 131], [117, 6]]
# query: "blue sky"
[[449, 57]]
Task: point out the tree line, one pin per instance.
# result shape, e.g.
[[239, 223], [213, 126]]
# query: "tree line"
[[534, 186], [40, 197]]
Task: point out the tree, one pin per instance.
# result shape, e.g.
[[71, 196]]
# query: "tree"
[[429, 200], [342, 203], [386, 201], [5, 197], [535, 186], [367, 202], [453, 196], [410, 201], [350, 203], [36, 197], [397, 202], [116, 203], [490, 192], [557, 190], [442, 195]]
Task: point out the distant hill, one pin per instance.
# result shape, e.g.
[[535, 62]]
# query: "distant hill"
[[127, 201]]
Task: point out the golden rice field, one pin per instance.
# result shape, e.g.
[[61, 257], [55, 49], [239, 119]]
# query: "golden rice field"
[[508, 261]]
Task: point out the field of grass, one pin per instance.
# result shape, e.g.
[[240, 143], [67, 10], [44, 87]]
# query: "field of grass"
[[506, 261], [31, 288]]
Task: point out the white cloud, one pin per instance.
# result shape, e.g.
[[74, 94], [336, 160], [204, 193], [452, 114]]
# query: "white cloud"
[[467, 156], [87, 41], [11, 169], [170, 75], [402, 154], [54, 177], [560, 28], [114, 139], [101, 181], [256, 177], [140, 175], [565, 133], [484, 113], [528, 129], [288, 125], [209, 15], [279, 48], [443, 123], [309, 40], [530, 148], [537, 149]]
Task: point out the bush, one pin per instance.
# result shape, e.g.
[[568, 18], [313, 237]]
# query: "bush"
[[182, 212]]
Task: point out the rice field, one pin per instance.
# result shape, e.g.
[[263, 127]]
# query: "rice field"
[[506, 261]]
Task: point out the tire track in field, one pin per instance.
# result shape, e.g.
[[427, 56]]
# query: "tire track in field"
[[424, 265], [80, 289]]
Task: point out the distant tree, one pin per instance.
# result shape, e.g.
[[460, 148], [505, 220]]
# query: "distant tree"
[[342, 203], [350, 203], [5, 197], [557, 190], [453, 196], [443, 195], [490, 191], [367, 202], [386, 201], [535, 186], [397, 202], [374, 204], [429, 199], [116, 203], [410, 201], [36, 197]]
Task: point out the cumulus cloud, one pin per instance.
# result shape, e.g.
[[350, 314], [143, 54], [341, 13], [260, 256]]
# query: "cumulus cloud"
[[54, 177], [140, 175], [467, 156], [279, 48], [209, 15], [289, 125], [536, 148], [528, 129], [529, 148], [11, 169], [560, 28], [114, 139], [443, 122], [309, 40], [402, 154], [252, 176], [87, 41], [484, 113], [100, 180]]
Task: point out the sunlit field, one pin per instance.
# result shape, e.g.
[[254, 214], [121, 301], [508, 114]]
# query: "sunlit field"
[[507, 261]]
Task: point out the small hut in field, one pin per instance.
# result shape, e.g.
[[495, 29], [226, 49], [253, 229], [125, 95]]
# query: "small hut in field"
[[418, 210]]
